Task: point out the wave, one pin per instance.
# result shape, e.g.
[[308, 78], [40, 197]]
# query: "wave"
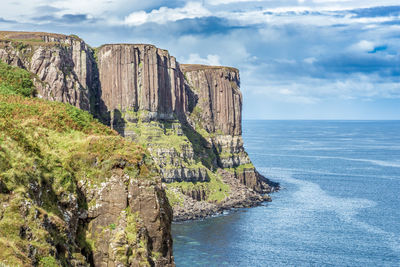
[[372, 161], [320, 172], [309, 197]]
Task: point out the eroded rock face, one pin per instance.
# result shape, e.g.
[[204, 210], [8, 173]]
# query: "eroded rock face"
[[64, 65], [218, 108], [185, 175], [130, 215], [141, 77], [188, 116], [219, 97]]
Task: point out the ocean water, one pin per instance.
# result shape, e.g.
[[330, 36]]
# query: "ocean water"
[[339, 204]]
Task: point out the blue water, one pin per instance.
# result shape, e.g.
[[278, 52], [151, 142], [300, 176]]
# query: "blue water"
[[339, 206]]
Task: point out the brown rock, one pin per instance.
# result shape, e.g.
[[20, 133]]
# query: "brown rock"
[[141, 77], [63, 64], [118, 201], [220, 100]]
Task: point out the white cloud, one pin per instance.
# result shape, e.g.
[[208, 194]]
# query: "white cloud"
[[213, 60], [363, 46], [331, 1], [310, 60], [164, 14], [312, 90], [286, 91], [299, 16], [224, 2], [285, 61]]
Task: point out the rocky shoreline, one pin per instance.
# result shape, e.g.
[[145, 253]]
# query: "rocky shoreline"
[[241, 197]]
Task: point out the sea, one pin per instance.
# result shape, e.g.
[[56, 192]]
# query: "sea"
[[339, 203]]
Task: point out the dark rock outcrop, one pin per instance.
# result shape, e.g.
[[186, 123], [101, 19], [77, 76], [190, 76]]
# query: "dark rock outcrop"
[[127, 214]]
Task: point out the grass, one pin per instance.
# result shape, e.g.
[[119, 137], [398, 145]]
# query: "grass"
[[16, 81], [48, 262], [215, 190], [241, 168], [174, 196], [197, 67], [23, 40], [156, 134], [46, 149]]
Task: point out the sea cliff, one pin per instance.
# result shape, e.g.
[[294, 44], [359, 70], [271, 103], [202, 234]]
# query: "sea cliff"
[[185, 118]]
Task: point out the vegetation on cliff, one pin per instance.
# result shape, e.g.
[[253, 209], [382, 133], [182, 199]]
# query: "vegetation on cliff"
[[47, 151], [15, 81], [188, 118]]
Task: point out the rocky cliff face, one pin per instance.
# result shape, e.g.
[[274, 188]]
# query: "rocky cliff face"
[[219, 99], [141, 77], [63, 65], [187, 116], [72, 192], [130, 222], [75, 193], [218, 110]]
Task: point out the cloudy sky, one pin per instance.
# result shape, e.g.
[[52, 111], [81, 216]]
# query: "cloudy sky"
[[298, 59]]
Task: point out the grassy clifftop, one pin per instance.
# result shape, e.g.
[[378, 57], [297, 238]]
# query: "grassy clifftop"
[[46, 150]]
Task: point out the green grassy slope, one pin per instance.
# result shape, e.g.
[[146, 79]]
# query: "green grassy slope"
[[46, 148]]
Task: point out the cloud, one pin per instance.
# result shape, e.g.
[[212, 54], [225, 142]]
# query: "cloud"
[[355, 86], [47, 9], [285, 61], [310, 60], [363, 46], [379, 48], [2, 20], [381, 11], [225, 2], [164, 14], [209, 60], [69, 19]]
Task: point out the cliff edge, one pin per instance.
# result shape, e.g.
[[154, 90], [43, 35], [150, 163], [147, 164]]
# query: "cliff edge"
[[188, 118], [72, 191]]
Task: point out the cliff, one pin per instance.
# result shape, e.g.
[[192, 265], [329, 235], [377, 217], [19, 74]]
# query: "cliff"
[[189, 118], [63, 65], [73, 192], [141, 77], [186, 120], [219, 97], [219, 111]]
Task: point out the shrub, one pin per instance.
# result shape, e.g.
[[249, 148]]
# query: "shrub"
[[14, 80]]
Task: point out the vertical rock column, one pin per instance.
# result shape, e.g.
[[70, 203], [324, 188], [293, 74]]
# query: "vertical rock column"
[[219, 109], [141, 77], [220, 99]]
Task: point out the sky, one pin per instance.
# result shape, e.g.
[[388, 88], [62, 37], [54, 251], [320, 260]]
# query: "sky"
[[298, 59]]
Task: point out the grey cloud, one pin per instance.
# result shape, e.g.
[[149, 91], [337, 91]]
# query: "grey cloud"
[[47, 9], [2, 20], [66, 19]]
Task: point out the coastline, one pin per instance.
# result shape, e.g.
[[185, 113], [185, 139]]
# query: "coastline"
[[240, 196]]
